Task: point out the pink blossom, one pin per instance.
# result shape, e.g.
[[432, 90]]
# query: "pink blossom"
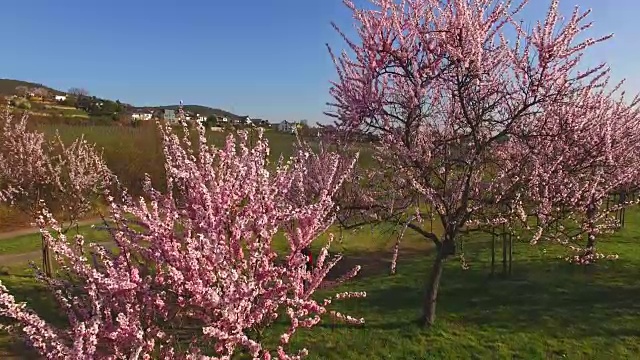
[[196, 260], [482, 121]]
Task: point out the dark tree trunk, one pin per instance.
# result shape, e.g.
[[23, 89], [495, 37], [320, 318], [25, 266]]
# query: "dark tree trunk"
[[504, 250], [510, 252], [431, 291], [46, 258], [446, 248], [493, 253]]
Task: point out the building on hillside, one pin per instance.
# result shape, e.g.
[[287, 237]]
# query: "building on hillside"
[[168, 115], [260, 122], [244, 120], [61, 98], [142, 115], [201, 118], [287, 127]]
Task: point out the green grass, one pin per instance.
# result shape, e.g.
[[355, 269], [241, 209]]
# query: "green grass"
[[75, 113], [133, 152], [32, 242], [547, 309], [60, 107]]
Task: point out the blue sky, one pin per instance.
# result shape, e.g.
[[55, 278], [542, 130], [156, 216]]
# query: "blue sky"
[[264, 58]]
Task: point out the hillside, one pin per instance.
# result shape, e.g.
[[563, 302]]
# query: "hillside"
[[8, 86], [200, 109]]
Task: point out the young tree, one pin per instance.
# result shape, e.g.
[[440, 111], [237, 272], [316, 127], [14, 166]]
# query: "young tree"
[[38, 173], [41, 92], [78, 92], [591, 148], [195, 274], [447, 85], [22, 90]]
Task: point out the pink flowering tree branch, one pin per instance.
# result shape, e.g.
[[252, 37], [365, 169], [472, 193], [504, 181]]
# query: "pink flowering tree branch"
[[35, 173], [448, 87], [195, 273], [24, 163], [590, 151]]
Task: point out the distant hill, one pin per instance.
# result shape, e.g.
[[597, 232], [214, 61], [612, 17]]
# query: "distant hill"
[[200, 109], [8, 86]]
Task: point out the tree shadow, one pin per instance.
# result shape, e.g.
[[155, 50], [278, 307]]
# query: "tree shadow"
[[26, 289], [573, 303], [373, 263]]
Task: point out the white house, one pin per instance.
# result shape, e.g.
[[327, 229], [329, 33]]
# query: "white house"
[[61, 97], [141, 116], [245, 120], [287, 127]]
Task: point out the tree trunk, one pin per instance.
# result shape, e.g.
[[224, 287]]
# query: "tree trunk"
[[493, 253], [504, 250], [510, 252], [431, 291], [46, 258]]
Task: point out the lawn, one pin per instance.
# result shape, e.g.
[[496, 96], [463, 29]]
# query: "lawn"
[[59, 107], [133, 152], [547, 309]]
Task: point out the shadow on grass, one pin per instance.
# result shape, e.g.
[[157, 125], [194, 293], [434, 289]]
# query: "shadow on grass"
[[572, 303], [26, 289], [373, 263], [548, 298]]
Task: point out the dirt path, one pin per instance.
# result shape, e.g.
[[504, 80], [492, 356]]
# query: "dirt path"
[[24, 258], [32, 230]]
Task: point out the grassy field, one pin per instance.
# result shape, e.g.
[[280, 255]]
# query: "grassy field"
[[547, 309], [131, 153]]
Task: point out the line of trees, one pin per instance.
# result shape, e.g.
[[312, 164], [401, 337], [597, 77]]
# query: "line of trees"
[[195, 261], [481, 129]]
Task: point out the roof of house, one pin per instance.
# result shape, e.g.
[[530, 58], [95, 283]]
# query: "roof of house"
[[140, 111]]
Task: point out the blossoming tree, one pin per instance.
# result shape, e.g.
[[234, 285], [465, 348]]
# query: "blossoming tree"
[[36, 173], [584, 151], [195, 273], [447, 85]]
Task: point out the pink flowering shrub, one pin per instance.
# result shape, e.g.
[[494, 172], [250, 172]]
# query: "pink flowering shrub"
[[24, 165], [35, 173], [195, 275], [587, 256], [586, 151], [464, 98], [66, 178]]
